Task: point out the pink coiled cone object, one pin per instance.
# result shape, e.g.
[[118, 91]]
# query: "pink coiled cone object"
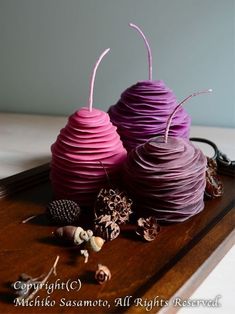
[[86, 150], [88, 144]]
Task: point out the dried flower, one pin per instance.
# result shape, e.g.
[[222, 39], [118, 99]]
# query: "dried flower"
[[64, 212], [102, 274], [114, 203], [214, 186], [148, 228], [106, 228]]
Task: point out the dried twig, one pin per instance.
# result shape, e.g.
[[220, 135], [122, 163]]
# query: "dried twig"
[[28, 219]]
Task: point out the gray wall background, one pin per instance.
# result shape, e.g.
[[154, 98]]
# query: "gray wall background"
[[48, 48]]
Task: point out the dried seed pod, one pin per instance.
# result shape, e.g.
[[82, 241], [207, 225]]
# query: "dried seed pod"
[[23, 287], [114, 203], [95, 243], [64, 212], [67, 233], [102, 274], [214, 186], [106, 228], [148, 228], [76, 235]]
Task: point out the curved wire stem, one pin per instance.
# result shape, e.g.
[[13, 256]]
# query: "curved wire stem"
[[169, 121], [150, 59], [92, 82]]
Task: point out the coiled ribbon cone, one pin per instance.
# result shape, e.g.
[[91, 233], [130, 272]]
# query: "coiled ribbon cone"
[[88, 144], [142, 113], [167, 179]]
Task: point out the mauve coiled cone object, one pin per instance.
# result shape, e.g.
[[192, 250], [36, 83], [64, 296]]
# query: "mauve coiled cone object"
[[167, 179], [142, 113], [86, 146]]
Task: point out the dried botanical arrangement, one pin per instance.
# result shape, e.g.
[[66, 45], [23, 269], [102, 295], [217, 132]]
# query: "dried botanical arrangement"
[[164, 173]]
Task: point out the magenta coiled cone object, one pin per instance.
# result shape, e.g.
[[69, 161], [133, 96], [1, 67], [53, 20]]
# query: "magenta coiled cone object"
[[86, 153], [87, 147], [142, 113], [167, 179]]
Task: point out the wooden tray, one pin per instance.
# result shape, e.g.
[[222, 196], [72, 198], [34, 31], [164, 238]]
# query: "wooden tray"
[[172, 265], [23, 180]]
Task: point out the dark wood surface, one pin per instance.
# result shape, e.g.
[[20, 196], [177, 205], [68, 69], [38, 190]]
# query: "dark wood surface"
[[176, 262]]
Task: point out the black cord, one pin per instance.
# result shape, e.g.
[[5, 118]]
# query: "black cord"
[[204, 140], [225, 165]]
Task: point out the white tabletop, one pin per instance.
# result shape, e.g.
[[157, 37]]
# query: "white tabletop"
[[25, 141]]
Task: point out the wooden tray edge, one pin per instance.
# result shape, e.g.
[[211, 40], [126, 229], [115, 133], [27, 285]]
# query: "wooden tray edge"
[[24, 180]]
